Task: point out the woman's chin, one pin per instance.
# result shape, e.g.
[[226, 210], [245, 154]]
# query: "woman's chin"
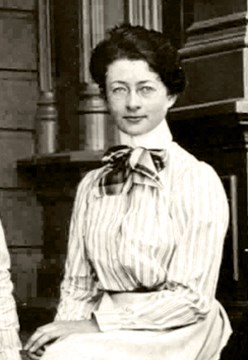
[[134, 130], [134, 133]]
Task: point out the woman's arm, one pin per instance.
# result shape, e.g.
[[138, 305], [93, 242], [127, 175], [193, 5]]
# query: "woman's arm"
[[9, 341], [199, 213], [79, 294]]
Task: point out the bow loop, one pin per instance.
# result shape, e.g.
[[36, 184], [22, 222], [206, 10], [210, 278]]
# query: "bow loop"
[[124, 162], [117, 157], [116, 154]]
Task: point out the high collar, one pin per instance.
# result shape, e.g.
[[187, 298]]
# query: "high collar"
[[158, 138]]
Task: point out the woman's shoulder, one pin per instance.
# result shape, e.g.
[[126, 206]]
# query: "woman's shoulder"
[[89, 179], [185, 164]]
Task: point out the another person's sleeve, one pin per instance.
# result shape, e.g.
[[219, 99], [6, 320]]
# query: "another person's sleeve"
[[10, 345]]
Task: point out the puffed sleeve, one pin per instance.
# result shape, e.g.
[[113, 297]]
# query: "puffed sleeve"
[[9, 341], [79, 294], [199, 214]]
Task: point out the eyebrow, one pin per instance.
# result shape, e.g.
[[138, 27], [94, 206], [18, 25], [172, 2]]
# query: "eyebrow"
[[125, 83]]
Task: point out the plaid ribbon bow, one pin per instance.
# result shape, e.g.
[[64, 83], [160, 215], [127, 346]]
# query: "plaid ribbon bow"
[[123, 162]]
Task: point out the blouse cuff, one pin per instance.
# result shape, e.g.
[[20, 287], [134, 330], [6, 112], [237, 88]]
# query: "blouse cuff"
[[69, 310], [107, 317], [107, 320]]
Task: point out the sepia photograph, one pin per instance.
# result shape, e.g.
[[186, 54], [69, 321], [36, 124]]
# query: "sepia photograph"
[[123, 180]]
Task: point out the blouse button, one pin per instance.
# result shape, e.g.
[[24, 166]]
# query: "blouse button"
[[128, 310]]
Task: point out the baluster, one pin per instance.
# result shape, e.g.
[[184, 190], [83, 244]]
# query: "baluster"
[[46, 115], [93, 116], [145, 12]]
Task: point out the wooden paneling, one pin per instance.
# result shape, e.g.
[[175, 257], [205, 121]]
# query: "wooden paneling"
[[214, 55], [19, 209], [13, 146], [214, 77], [24, 264], [18, 4], [17, 41], [18, 99], [205, 10], [21, 215]]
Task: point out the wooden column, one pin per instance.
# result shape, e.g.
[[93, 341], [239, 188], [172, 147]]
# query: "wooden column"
[[146, 13], [92, 111], [46, 116]]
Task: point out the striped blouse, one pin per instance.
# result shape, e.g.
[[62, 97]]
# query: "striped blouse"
[[163, 241], [9, 341]]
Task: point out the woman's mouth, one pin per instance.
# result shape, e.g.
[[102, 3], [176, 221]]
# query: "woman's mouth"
[[134, 119]]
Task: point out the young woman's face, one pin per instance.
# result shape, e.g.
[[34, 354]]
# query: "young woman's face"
[[136, 97]]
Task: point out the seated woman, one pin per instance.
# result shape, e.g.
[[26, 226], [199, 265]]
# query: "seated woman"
[[148, 227], [9, 341]]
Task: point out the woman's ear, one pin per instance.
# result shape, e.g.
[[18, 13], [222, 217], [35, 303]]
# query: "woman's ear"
[[172, 99]]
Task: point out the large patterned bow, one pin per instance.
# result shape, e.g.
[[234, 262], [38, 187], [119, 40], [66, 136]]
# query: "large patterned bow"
[[124, 162]]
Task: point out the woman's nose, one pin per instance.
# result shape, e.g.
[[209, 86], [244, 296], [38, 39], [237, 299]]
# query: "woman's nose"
[[133, 101]]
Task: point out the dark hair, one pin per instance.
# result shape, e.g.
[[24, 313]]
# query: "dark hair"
[[138, 43]]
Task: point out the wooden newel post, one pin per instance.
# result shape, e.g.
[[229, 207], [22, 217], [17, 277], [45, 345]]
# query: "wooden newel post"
[[94, 116], [94, 125], [46, 115]]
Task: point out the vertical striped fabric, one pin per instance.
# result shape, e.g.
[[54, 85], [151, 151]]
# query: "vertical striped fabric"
[[9, 341], [165, 242]]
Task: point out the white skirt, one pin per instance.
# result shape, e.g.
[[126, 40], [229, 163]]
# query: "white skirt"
[[203, 340]]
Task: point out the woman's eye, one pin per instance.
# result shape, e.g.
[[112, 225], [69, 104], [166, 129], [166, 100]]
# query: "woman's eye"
[[146, 90], [119, 90]]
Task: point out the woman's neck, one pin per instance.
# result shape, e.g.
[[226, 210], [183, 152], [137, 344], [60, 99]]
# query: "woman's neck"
[[158, 138]]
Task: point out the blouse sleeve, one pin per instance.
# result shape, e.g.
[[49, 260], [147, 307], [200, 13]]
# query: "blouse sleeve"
[[78, 294], [199, 213], [9, 340]]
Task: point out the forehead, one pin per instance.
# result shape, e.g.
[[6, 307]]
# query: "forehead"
[[130, 71]]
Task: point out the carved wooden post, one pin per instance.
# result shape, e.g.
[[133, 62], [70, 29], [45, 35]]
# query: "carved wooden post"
[[147, 13], [46, 115], [93, 116]]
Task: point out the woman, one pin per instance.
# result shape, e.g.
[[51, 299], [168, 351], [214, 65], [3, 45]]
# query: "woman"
[[147, 228]]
